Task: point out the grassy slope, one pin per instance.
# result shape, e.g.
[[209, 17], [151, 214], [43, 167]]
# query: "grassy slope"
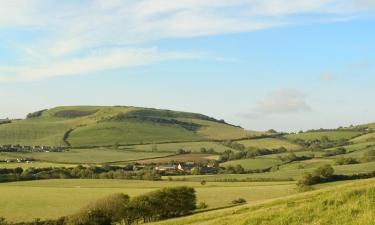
[[332, 135], [350, 204], [190, 146], [22, 201], [270, 143], [98, 128], [96, 155]]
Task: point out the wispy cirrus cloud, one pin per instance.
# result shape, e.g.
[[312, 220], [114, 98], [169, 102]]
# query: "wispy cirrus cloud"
[[67, 32]]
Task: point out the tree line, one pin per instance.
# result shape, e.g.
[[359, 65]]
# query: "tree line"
[[91, 172]]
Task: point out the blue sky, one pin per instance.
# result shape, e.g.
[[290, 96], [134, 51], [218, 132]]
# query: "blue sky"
[[261, 64]]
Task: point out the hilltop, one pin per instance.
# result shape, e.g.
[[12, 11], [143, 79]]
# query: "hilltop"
[[87, 126]]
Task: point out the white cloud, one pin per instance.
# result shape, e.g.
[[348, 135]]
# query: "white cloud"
[[68, 31], [283, 101], [99, 61]]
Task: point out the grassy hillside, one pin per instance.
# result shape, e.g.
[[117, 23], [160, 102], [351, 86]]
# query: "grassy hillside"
[[350, 204], [270, 143], [332, 135], [104, 126]]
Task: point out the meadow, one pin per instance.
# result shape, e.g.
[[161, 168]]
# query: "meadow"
[[94, 155], [350, 204], [270, 143], [332, 135], [24, 201]]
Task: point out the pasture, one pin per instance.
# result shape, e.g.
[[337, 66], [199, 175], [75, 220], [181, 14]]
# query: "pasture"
[[332, 135], [348, 203], [94, 155], [270, 143], [24, 201], [173, 147]]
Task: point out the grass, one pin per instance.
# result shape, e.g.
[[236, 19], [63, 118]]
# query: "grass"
[[50, 127], [34, 164], [125, 133], [270, 143], [193, 157], [364, 138], [173, 147], [332, 135], [350, 204], [253, 164], [23, 201], [95, 155]]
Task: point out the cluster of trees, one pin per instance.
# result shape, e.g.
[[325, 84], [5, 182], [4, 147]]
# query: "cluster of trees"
[[5, 121], [291, 157], [35, 114], [209, 151], [368, 156], [229, 155], [92, 172], [121, 209], [322, 143], [346, 161], [325, 174], [337, 151], [238, 169], [74, 113], [320, 175], [162, 120]]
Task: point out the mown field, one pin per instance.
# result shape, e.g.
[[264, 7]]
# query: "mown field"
[[24, 201], [349, 204]]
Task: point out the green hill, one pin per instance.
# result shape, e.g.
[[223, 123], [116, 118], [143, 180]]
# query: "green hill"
[[351, 204], [88, 126]]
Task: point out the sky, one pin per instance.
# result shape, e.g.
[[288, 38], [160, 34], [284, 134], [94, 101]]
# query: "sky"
[[284, 64]]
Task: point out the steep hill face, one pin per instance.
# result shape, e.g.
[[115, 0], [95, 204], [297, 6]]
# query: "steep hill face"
[[79, 126]]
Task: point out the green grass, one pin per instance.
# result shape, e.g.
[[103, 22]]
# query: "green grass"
[[23, 201], [34, 164], [95, 155], [364, 138], [332, 135], [349, 204], [270, 143], [173, 147], [253, 164], [99, 128], [125, 133]]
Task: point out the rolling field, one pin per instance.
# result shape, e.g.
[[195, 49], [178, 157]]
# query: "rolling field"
[[193, 157], [364, 138], [34, 164], [173, 147], [24, 201], [95, 155], [253, 164], [351, 204], [270, 143], [332, 135]]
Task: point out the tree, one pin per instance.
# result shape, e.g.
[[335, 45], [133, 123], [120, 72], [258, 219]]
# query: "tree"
[[325, 171]]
